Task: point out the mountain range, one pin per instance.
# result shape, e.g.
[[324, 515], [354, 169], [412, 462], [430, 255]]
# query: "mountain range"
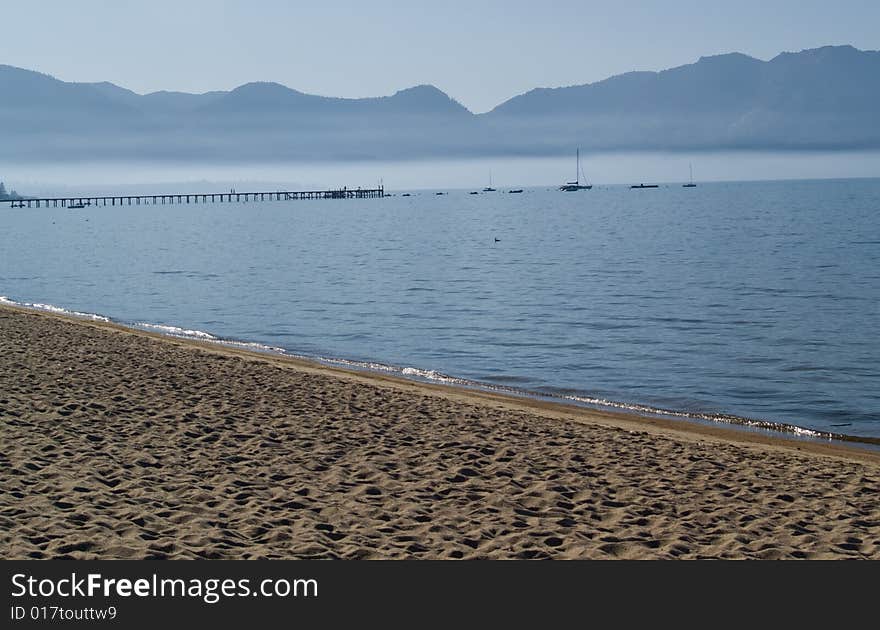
[[824, 98]]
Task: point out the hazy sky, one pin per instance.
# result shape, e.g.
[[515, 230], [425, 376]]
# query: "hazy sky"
[[479, 52]]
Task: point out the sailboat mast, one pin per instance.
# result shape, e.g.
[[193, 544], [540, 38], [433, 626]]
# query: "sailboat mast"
[[577, 175]]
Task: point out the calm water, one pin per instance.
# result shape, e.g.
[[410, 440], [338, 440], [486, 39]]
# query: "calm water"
[[759, 300]]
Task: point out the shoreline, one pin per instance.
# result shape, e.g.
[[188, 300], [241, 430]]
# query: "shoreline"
[[633, 411], [124, 443]]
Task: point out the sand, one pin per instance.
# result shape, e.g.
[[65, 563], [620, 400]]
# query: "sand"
[[125, 444]]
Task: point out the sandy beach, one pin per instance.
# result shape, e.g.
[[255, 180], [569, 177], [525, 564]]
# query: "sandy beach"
[[125, 444]]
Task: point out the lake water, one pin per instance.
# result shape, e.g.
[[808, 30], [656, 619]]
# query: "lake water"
[[754, 300]]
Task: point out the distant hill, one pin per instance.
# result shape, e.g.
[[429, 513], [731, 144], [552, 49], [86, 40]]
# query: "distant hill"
[[280, 100], [824, 98], [821, 98], [156, 103]]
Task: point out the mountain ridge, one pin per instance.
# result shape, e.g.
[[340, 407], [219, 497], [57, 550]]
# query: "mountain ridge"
[[816, 98]]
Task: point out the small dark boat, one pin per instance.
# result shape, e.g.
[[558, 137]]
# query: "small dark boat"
[[473, 193], [645, 186], [518, 190], [406, 195]]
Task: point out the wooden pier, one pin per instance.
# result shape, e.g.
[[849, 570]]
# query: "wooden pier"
[[227, 197]]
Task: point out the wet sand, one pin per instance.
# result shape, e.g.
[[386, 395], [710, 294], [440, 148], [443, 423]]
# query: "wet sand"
[[125, 444]]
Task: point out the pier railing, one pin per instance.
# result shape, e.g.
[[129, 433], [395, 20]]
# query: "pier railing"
[[165, 199]]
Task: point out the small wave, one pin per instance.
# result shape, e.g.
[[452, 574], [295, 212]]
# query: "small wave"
[[409, 372], [252, 345], [201, 335], [51, 308], [176, 331], [709, 417], [433, 375]]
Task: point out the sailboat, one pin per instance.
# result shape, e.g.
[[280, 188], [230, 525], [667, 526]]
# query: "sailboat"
[[691, 183], [576, 184], [489, 187]]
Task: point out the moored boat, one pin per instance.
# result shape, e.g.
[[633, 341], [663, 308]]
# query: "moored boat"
[[576, 184]]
